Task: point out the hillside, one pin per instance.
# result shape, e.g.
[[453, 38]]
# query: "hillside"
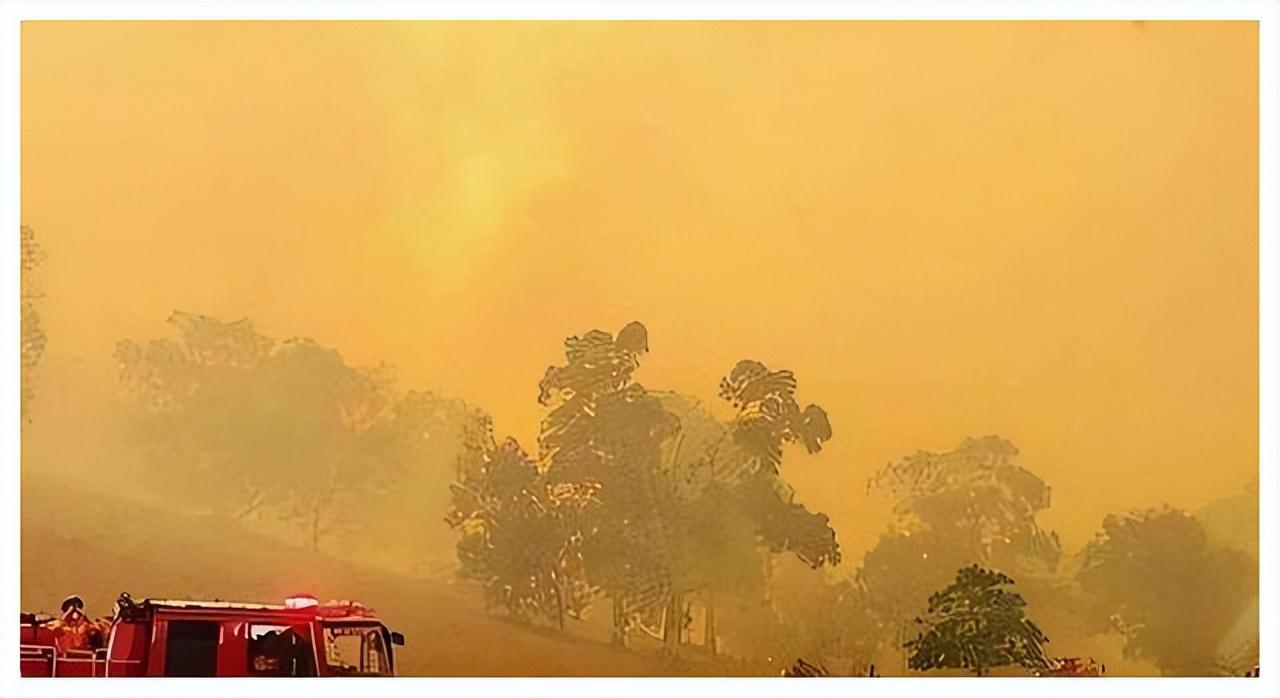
[[97, 544]]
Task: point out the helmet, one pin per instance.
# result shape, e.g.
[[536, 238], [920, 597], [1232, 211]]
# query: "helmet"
[[72, 601]]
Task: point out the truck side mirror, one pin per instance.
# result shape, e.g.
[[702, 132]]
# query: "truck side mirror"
[[397, 638]]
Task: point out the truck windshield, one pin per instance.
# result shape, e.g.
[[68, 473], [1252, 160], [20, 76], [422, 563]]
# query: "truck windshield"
[[355, 650]]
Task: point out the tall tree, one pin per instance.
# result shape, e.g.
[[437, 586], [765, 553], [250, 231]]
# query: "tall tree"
[[1153, 576], [722, 528], [33, 337], [605, 429], [520, 536], [732, 506], [768, 418], [249, 423], [976, 624], [971, 505], [688, 505]]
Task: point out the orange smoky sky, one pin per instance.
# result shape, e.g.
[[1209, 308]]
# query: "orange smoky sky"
[[1043, 230]]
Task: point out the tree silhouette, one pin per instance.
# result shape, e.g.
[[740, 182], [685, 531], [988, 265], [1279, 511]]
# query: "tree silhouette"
[[521, 537], [768, 417], [975, 624], [606, 430], [687, 504], [821, 617], [1153, 576], [980, 496], [731, 504], [728, 516], [251, 423], [971, 505]]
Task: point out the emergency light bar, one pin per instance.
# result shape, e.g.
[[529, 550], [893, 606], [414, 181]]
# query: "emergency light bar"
[[301, 601]]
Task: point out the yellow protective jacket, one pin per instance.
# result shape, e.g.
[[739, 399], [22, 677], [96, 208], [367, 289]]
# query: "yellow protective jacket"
[[80, 633]]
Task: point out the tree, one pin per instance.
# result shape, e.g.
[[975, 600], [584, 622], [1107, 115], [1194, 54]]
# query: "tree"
[[971, 505], [1153, 576], [607, 430], [980, 496], [977, 625], [687, 504], [898, 575], [252, 424], [741, 478], [821, 617], [521, 536], [768, 417], [732, 508], [33, 337]]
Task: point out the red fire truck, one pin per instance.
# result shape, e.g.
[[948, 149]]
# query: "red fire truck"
[[160, 637]]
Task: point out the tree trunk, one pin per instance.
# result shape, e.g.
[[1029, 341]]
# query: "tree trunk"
[[671, 628], [709, 625], [619, 628], [560, 604]]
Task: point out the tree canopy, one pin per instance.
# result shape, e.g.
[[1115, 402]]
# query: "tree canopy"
[[977, 624], [244, 424], [1153, 576], [680, 503], [972, 505], [520, 536]]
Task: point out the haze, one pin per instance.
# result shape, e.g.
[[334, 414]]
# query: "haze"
[[1042, 230], [1046, 231]]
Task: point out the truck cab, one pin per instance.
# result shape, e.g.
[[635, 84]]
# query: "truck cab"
[[168, 637]]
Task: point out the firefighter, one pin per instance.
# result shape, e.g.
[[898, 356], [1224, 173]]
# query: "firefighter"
[[75, 631], [266, 660]]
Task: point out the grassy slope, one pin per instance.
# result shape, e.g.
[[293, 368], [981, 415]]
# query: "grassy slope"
[[97, 545]]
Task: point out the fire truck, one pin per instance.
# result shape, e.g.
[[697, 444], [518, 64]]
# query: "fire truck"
[[165, 637]]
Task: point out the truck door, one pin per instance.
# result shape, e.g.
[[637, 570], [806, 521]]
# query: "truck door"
[[191, 648], [127, 649]]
